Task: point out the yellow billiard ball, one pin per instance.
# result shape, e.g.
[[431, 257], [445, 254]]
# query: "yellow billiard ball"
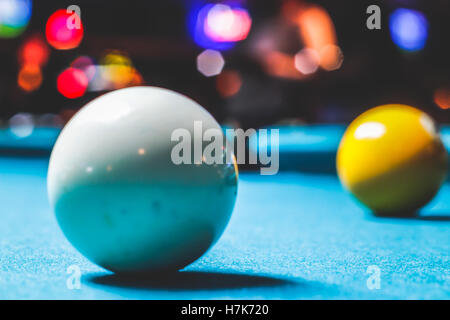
[[392, 159]]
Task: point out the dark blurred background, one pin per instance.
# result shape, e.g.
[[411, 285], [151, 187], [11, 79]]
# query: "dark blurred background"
[[250, 63]]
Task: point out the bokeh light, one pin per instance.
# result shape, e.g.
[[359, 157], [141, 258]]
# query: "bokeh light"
[[281, 65], [34, 51], [72, 83], [307, 61], [219, 26], [21, 125], [210, 63], [32, 55], [228, 83], [115, 71], [409, 29], [331, 57], [316, 27], [85, 64], [300, 25], [225, 24], [442, 97], [318, 33], [99, 82], [30, 77], [118, 70], [14, 17], [59, 35]]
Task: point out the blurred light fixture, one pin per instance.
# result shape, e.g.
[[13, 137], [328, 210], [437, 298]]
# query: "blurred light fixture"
[[58, 33], [299, 23], [14, 17], [318, 33], [316, 27], [210, 63], [409, 29]]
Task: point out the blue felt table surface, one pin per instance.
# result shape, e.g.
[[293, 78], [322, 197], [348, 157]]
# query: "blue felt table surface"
[[302, 148], [291, 236], [295, 139]]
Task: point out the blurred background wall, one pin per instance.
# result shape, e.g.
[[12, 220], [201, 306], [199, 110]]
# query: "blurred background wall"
[[250, 63]]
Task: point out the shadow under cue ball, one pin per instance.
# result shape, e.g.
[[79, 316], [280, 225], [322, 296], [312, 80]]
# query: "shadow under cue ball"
[[392, 159], [117, 195]]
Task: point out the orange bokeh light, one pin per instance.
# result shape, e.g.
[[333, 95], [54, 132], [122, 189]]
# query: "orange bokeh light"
[[137, 79], [316, 27], [318, 33], [281, 65], [228, 83], [331, 57], [442, 98], [29, 78]]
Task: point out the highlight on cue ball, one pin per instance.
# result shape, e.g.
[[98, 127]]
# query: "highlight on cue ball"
[[392, 159], [118, 197]]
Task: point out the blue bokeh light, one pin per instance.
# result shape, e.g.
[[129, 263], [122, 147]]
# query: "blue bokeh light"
[[409, 29], [196, 24], [15, 13]]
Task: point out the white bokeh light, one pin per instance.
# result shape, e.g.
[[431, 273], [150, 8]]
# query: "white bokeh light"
[[307, 61], [210, 63], [21, 125], [220, 19]]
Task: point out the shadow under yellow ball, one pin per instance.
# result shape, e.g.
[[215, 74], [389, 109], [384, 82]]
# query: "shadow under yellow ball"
[[392, 159]]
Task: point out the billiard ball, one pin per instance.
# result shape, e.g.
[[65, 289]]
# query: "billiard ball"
[[391, 158], [118, 196]]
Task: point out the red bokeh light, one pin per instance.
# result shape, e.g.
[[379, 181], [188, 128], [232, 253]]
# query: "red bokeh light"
[[228, 83], [59, 35], [442, 97], [34, 52], [72, 83]]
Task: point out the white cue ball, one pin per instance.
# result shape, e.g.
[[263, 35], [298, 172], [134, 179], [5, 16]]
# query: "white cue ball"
[[118, 197]]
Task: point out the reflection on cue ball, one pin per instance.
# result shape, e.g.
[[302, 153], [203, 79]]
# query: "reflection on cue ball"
[[117, 195]]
